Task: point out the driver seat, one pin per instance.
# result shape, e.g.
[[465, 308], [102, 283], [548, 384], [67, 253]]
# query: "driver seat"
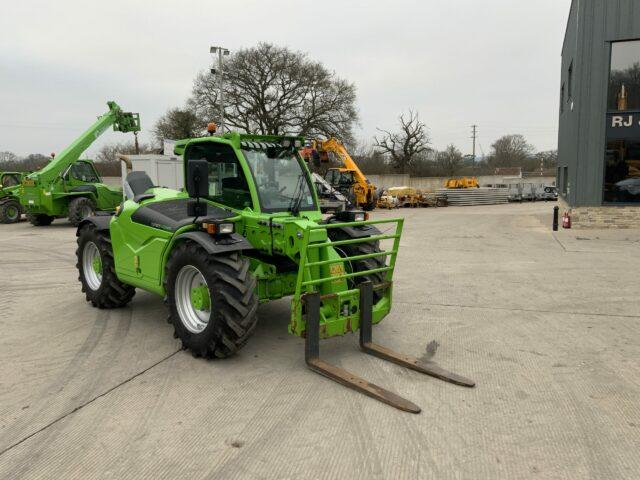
[[136, 185]]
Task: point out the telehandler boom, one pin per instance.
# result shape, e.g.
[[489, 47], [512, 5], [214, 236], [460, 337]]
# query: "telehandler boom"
[[68, 186]]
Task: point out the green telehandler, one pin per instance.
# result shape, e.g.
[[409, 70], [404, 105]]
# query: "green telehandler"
[[10, 208], [248, 230], [70, 187]]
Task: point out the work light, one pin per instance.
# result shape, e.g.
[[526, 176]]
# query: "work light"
[[351, 216]]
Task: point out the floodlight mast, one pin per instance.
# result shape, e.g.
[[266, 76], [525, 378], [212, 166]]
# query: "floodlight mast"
[[220, 51]]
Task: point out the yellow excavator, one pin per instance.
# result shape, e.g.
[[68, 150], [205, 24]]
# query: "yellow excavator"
[[349, 179]]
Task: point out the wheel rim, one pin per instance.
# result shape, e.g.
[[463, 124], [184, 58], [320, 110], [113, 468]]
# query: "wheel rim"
[[12, 212], [193, 300], [92, 265]]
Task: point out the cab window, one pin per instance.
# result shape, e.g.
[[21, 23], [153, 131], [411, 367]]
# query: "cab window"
[[84, 172], [227, 183], [10, 180]]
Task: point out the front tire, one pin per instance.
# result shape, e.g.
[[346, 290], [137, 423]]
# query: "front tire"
[[79, 209], [10, 211], [211, 299], [39, 219], [97, 270]]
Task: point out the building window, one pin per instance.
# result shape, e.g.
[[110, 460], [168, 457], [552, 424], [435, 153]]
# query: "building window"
[[562, 98], [622, 155], [570, 82], [565, 180], [624, 77]]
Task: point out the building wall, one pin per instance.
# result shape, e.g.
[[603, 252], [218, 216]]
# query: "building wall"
[[610, 216], [592, 25], [431, 184]]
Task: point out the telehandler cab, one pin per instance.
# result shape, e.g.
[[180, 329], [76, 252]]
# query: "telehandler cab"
[[247, 230]]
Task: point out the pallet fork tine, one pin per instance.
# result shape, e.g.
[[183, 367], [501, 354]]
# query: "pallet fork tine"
[[312, 357], [368, 346], [346, 378]]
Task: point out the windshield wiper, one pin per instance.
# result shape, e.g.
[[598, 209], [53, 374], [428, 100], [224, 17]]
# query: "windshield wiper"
[[296, 200]]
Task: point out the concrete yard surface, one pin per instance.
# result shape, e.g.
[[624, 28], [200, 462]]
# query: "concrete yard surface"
[[548, 325]]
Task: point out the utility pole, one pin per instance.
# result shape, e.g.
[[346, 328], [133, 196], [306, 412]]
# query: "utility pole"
[[221, 51], [474, 136]]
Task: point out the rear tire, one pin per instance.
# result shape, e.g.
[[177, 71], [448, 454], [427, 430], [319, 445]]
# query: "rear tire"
[[361, 265], [39, 219], [97, 270], [220, 323], [10, 211], [79, 209]]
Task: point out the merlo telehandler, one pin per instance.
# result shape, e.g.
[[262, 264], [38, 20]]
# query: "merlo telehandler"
[[247, 230], [70, 187], [10, 208]]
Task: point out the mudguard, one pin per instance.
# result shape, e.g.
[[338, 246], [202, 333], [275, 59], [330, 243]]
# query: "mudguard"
[[101, 222], [232, 243]]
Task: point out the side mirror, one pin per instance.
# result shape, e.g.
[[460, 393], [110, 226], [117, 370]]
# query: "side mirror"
[[197, 176]]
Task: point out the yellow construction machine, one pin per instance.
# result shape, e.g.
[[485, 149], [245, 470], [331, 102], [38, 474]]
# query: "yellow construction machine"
[[464, 182], [349, 179]]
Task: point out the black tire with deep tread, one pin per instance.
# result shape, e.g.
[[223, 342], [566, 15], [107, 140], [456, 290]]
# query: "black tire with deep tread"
[[75, 209], [39, 219], [112, 292], [5, 206], [233, 298], [367, 264]]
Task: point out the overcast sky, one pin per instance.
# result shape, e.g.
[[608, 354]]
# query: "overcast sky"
[[494, 63]]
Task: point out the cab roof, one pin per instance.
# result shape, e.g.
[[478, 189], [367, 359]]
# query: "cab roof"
[[239, 140]]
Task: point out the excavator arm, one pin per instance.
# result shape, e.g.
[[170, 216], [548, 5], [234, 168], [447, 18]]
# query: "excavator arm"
[[365, 191], [121, 122], [333, 145]]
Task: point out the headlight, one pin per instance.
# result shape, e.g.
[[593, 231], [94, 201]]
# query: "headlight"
[[219, 228], [358, 217], [225, 228]]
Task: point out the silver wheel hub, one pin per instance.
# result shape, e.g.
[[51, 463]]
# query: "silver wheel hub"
[[91, 266], [192, 298]]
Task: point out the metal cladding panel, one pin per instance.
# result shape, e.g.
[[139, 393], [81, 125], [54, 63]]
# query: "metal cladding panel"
[[592, 26]]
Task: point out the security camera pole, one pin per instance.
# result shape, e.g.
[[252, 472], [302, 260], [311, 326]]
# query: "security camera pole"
[[220, 51]]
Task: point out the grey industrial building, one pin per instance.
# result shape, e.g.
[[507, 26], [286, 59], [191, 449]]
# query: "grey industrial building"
[[599, 136]]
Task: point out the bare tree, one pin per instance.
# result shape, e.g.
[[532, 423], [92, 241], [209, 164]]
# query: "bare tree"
[[274, 90], [406, 145], [177, 124], [450, 160], [510, 151], [107, 153], [8, 157]]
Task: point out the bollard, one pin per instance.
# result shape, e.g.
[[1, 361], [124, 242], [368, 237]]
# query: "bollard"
[[556, 211]]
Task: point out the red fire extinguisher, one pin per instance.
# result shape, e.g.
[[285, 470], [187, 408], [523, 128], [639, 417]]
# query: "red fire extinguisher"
[[566, 220]]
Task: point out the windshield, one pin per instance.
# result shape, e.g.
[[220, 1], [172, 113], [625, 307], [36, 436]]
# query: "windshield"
[[281, 181]]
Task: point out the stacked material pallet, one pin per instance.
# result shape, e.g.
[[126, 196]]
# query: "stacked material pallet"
[[475, 196]]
